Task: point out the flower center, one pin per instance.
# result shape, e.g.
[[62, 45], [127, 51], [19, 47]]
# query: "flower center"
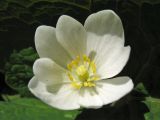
[[82, 72]]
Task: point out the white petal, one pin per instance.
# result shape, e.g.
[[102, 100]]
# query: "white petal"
[[102, 47], [48, 71], [111, 90], [89, 98], [114, 63], [47, 45], [63, 98], [72, 35], [104, 22], [108, 52]]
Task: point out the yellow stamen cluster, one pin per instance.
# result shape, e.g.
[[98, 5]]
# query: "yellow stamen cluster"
[[73, 63], [82, 72]]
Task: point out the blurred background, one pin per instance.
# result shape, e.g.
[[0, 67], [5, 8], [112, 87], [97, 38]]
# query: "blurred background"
[[18, 22]]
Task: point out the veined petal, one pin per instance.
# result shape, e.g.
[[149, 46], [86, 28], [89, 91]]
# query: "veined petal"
[[89, 98], [49, 72], [72, 35], [111, 90], [115, 63], [62, 98], [105, 22], [102, 47], [108, 52], [47, 45]]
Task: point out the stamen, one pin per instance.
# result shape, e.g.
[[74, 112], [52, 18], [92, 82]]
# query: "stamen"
[[85, 84], [76, 85], [69, 66], [93, 78], [70, 76], [82, 72], [86, 59], [93, 67]]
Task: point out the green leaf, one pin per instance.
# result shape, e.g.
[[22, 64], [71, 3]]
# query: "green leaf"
[[19, 70], [7, 97], [154, 108], [33, 109], [140, 88], [153, 104]]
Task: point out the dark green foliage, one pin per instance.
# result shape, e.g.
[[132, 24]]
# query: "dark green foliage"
[[28, 14], [19, 70], [20, 18], [140, 2], [140, 88]]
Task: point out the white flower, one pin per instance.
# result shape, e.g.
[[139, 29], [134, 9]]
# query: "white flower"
[[77, 62]]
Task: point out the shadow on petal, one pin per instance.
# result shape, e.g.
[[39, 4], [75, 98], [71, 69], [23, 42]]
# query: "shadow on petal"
[[121, 81]]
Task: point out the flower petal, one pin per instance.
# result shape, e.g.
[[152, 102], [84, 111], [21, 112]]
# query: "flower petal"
[[111, 90], [108, 52], [63, 98], [104, 22], [115, 63], [72, 35], [49, 72], [89, 98], [47, 45]]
